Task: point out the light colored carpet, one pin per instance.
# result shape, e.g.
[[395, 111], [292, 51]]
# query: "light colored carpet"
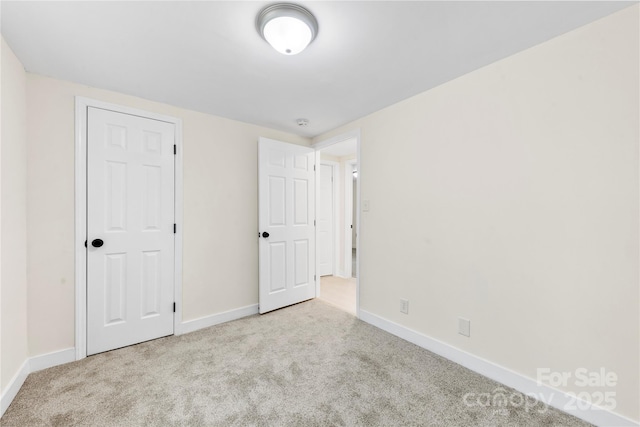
[[307, 365]]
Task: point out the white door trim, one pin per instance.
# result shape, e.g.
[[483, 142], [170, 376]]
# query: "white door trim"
[[326, 143], [316, 169], [82, 104]]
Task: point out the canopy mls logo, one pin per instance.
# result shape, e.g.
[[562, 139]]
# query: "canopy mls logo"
[[593, 383], [501, 400], [583, 378]]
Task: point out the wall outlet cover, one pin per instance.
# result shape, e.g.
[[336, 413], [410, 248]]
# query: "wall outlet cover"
[[404, 306], [464, 326]]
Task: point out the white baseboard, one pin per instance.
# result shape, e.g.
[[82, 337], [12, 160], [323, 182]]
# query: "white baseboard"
[[44, 361], [33, 364], [553, 397], [216, 319], [14, 387]]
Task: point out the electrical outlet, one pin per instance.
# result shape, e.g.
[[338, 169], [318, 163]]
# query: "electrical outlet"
[[464, 326], [404, 306]]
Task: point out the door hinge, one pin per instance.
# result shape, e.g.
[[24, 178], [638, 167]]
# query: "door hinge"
[[314, 168], [175, 228], [175, 149], [314, 277], [174, 307], [314, 222]]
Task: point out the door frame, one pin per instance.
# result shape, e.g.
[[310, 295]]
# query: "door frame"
[[335, 246], [354, 134], [80, 210]]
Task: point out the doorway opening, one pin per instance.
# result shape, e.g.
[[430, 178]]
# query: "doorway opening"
[[337, 161]]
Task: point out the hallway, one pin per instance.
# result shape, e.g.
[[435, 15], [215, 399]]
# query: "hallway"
[[340, 292]]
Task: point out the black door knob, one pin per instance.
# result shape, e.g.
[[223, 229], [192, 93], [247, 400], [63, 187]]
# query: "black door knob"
[[96, 243], [265, 234]]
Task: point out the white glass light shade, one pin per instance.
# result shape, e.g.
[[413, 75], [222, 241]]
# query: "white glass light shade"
[[287, 27], [287, 35]]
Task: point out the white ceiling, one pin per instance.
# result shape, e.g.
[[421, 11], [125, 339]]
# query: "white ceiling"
[[207, 56]]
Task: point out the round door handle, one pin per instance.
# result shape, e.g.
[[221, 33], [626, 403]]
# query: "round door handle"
[[265, 234], [96, 243]]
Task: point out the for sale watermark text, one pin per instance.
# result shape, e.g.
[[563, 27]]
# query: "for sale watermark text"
[[597, 382]]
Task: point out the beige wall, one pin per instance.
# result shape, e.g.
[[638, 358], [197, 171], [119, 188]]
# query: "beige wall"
[[509, 196], [220, 269], [329, 158], [13, 229]]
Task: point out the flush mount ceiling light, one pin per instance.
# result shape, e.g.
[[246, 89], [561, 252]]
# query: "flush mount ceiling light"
[[287, 27]]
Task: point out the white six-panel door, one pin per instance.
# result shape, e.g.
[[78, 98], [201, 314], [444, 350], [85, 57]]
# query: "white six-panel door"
[[286, 188], [130, 208], [325, 221]]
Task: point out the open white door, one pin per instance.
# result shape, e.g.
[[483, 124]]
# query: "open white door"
[[286, 216]]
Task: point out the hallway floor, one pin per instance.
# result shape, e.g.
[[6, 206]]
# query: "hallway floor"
[[340, 292]]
